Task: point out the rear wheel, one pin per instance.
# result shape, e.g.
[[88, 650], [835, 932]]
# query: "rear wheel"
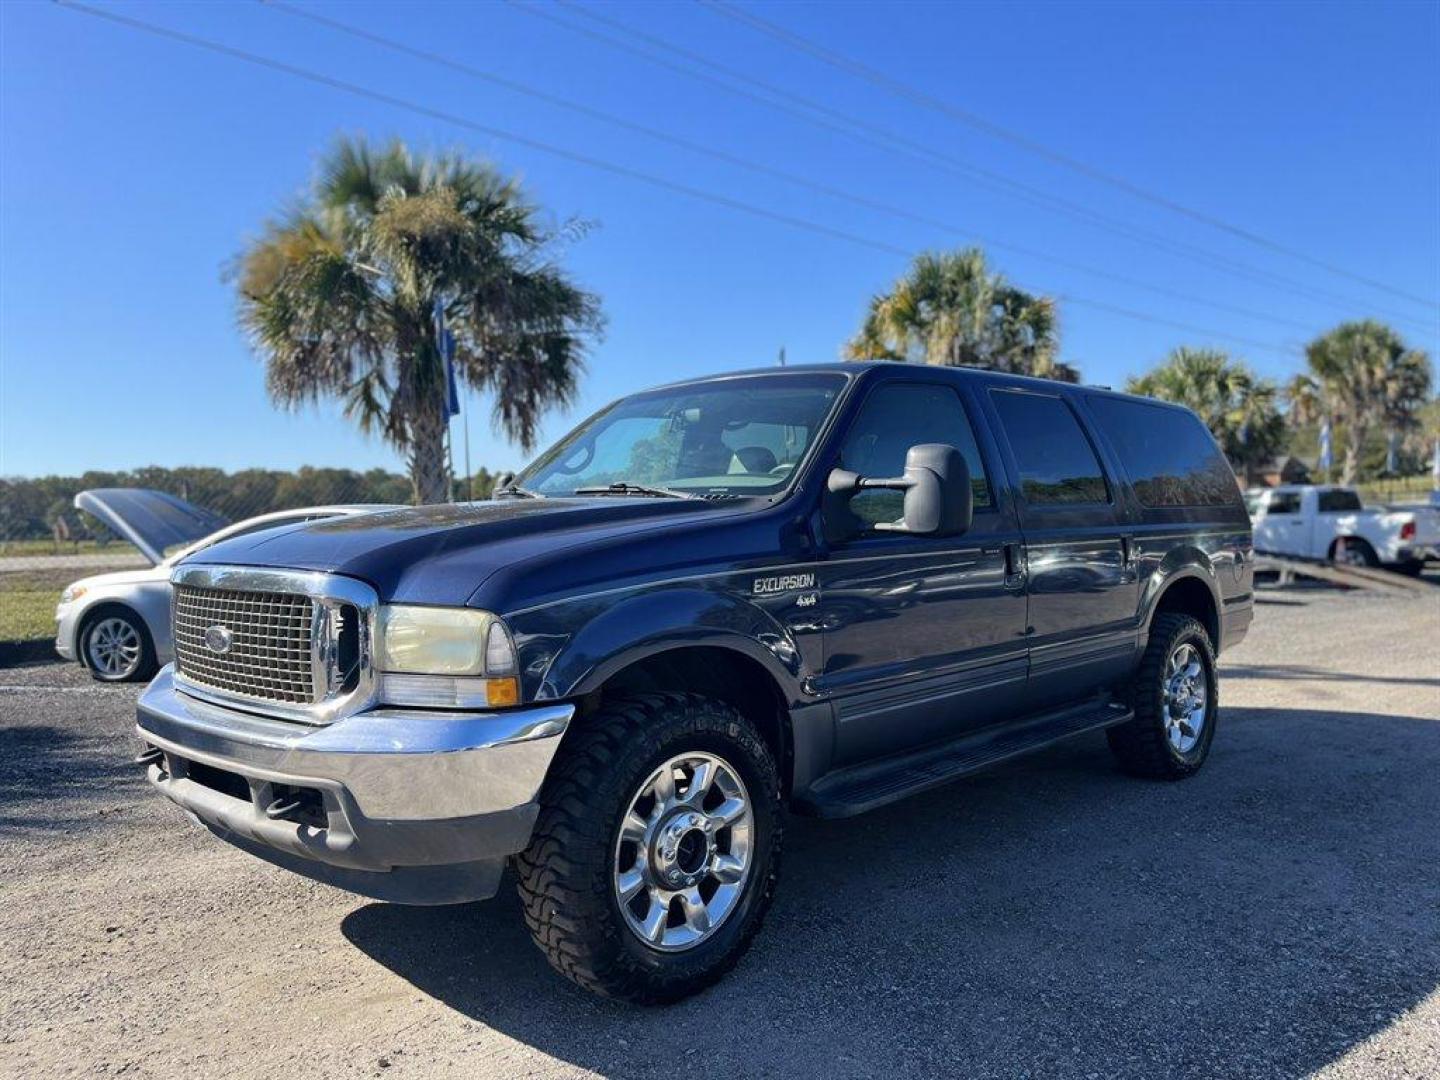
[[656, 851], [1352, 551], [116, 646], [1174, 697]]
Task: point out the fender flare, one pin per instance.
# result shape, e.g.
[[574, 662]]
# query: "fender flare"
[[1179, 565], [646, 625]]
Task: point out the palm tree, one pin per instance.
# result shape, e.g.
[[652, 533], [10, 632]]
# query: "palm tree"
[[1362, 376], [1239, 408], [340, 299], [950, 309]]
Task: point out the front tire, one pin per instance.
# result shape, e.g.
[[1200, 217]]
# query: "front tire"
[[656, 852], [1174, 695], [116, 647]]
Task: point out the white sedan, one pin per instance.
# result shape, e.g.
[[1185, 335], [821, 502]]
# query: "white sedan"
[[118, 625]]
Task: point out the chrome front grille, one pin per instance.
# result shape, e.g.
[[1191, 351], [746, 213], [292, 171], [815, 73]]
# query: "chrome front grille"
[[287, 643], [269, 655]]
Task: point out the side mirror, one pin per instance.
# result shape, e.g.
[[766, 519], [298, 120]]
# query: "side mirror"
[[938, 497]]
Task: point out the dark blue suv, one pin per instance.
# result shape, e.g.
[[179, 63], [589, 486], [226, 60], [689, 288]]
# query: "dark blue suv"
[[820, 588]]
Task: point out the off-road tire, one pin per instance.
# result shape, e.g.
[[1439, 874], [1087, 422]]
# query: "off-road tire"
[[1140, 744], [565, 875]]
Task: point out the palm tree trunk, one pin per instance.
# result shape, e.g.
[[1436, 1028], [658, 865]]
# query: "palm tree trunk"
[[1353, 447], [429, 475]]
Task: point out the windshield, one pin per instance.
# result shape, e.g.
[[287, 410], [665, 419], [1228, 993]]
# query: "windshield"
[[741, 436]]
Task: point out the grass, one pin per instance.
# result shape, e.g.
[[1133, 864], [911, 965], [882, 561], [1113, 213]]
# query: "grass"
[[78, 547], [27, 604]]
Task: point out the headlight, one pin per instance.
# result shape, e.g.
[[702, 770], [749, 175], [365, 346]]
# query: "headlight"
[[445, 658], [73, 593]]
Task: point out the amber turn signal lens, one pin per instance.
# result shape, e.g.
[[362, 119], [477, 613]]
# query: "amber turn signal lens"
[[502, 691]]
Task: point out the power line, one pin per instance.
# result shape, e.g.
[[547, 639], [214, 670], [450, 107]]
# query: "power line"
[[359, 90], [755, 166], [814, 112], [913, 94]]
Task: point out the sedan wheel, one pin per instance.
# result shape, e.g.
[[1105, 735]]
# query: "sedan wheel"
[[114, 649]]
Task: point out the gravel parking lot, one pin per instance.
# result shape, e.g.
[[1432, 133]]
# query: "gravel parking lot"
[[1278, 915]]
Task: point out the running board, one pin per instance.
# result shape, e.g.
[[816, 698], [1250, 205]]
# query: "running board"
[[865, 787]]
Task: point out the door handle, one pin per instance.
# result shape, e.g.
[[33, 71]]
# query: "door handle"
[[1014, 565]]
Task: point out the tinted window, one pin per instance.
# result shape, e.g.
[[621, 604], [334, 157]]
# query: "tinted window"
[[895, 418], [1339, 502], [1171, 458], [1057, 463], [1284, 502]]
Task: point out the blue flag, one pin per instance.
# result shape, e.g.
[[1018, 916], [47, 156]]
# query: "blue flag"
[[1327, 451], [445, 345]]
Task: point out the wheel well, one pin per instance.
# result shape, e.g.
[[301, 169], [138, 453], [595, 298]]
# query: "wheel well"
[[1335, 545], [1190, 596], [108, 607], [723, 674]]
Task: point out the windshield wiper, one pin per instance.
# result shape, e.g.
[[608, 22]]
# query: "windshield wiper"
[[517, 492], [624, 487]]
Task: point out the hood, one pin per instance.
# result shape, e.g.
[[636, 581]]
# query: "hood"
[[151, 520], [124, 577], [442, 554]]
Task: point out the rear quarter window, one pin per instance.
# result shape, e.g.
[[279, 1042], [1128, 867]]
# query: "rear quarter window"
[[1169, 455]]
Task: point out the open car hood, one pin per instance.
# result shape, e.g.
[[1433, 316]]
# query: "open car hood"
[[151, 520]]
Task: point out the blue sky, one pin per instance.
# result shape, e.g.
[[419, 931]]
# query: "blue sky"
[[132, 169]]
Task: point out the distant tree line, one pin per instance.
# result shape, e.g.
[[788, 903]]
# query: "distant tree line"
[[43, 507]]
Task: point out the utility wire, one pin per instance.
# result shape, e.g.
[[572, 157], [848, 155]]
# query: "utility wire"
[[600, 164], [964, 116], [814, 112], [759, 167]]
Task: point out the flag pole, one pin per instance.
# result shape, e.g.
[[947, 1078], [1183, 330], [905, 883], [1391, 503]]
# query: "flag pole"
[[469, 476]]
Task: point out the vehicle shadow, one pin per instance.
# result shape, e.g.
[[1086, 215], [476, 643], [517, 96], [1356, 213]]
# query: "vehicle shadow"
[[44, 764], [1050, 917]]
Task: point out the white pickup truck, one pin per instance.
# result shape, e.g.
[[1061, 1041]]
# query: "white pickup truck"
[[1312, 521]]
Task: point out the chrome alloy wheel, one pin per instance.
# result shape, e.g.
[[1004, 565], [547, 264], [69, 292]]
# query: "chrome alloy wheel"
[[113, 648], [1187, 693], [684, 852]]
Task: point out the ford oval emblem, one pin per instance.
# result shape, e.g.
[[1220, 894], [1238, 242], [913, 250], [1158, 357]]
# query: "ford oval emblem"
[[218, 639]]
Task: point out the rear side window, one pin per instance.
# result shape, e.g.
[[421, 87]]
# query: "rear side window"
[[1284, 502], [1339, 502], [1058, 465], [893, 419], [1170, 456]]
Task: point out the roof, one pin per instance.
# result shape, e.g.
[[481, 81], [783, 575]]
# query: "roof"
[[857, 367]]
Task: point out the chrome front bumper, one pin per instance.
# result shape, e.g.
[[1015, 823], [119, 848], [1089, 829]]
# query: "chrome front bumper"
[[401, 804]]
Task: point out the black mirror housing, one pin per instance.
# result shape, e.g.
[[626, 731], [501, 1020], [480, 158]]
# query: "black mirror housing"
[[938, 497]]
